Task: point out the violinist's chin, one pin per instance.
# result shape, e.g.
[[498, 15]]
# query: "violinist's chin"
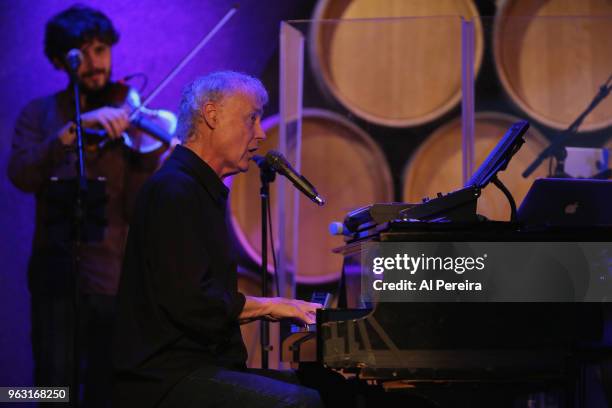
[[95, 82]]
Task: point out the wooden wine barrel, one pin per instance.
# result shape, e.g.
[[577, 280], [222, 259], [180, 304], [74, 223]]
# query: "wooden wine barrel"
[[552, 65], [436, 164], [392, 72], [348, 169]]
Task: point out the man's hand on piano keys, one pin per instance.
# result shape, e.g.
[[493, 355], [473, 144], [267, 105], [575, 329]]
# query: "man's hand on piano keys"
[[299, 311], [277, 308]]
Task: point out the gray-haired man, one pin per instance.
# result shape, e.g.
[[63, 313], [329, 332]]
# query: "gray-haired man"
[[178, 340]]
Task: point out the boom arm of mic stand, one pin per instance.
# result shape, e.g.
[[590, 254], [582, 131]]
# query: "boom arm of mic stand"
[[555, 148], [552, 149]]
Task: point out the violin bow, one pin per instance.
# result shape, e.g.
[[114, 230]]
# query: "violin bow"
[[185, 61]]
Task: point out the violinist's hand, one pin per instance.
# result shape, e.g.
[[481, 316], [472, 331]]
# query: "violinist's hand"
[[114, 120], [279, 308], [67, 134]]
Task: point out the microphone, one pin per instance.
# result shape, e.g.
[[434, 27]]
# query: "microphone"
[[338, 228], [279, 163], [73, 60]]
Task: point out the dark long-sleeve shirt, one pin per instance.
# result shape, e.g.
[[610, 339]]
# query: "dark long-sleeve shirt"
[[37, 155], [178, 300]]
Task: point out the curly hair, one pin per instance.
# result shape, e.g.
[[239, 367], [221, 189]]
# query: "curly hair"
[[74, 27], [213, 87]]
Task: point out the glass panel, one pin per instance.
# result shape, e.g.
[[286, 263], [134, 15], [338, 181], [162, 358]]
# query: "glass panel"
[[373, 90], [290, 126]]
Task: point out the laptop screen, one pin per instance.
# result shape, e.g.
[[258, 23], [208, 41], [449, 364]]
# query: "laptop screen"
[[559, 202]]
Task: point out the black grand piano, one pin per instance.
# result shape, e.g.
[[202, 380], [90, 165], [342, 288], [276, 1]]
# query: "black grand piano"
[[540, 340]]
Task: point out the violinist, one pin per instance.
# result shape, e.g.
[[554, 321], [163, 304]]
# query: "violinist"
[[43, 148]]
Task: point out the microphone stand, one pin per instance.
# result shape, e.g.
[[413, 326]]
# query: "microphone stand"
[[267, 176], [557, 148], [274, 162], [79, 217]]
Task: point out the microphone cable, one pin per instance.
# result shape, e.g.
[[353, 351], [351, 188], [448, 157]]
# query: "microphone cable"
[[271, 233]]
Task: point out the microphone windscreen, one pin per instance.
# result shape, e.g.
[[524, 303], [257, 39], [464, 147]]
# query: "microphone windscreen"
[[259, 160], [74, 57], [336, 228], [74, 54]]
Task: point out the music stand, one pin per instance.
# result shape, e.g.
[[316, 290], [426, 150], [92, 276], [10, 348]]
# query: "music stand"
[[498, 160]]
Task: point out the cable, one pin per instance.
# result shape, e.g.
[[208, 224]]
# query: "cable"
[[275, 278], [142, 75], [550, 165]]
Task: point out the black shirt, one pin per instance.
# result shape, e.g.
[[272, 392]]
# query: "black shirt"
[[178, 302]]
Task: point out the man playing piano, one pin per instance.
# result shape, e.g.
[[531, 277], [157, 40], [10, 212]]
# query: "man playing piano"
[[178, 340]]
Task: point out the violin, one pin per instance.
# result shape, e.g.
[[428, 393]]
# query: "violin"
[[159, 124], [150, 128]]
